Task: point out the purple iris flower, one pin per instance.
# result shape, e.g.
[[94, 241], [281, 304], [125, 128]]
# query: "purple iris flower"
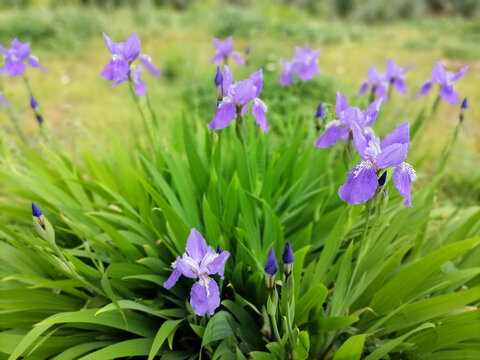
[[15, 58], [464, 104], [120, 67], [199, 262], [376, 83], [225, 50], [236, 97], [351, 120], [445, 80], [305, 63], [363, 181], [396, 76]]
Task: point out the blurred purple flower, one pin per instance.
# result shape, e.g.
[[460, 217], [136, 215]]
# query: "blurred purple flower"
[[351, 121], [236, 98], [376, 156], [225, 50], [376, 83], [199, 262], [3, 101], [320, 112], [396, 76], [122, 68], [16, 57], [445, 80], [305, 63], [464, 104]]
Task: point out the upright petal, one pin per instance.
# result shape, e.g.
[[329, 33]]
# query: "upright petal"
[[257, 79], [449, 94], [196, 245], [341, 104], [187, 266], [381, 92], [172, 279], [205, 297], [112, 47], [391, 156], [459, 74], [226, 112], [147, 62], [361, 184], [371, 113], [22, 51], [131, 48], [333, 133], [258, 111], [374, 76], [425, 88], [403, 176], [400, 135], [244, 91], [439, 75], [227, 79], [218, 263]]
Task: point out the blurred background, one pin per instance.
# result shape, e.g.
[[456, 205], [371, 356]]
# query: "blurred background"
[[83, 110]]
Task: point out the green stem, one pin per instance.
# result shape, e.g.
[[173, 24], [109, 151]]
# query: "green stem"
[[142, 114], [362, 246]]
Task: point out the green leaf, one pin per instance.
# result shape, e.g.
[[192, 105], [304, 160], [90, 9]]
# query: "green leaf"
[[133, 347], [314, 297], [220, 326], [351, 349], [163, 333]]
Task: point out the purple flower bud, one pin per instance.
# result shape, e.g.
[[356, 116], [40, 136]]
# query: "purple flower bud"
[[36, 212], [271, 266], [247, 51], [219, 249], [218, 77], [84, 240], [464, 104], [382, 179], [33, 103], [320, 112], [288, 255]]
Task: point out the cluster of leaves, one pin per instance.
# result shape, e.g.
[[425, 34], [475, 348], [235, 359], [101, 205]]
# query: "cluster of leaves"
[[367, 282]]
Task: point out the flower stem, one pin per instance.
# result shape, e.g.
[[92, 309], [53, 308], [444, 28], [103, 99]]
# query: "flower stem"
[[144, 118]]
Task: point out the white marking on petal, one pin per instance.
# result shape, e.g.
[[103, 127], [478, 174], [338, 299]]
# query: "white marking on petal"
[[333, 123], [116, 57], [364, 164], [405, 167], [257, 101]]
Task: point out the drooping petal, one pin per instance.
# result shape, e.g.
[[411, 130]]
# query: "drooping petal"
[[399, 84], [33, 61], [187, 266], [363, 88], [361, 184], [131, 48], [286, 77], [381, 92], [244, 91], [258, 111], [14, 68], [217, 58], [140, 86], [398, 136], [371, 113], [238, 59], [333, 133], [449, 94], [341, 104], [352, 115], [196, 246], [439, 75], [391, 156], [307, 71], [116, 70], [425, 88], [205, 297], [403, 176], [257, 79], [22, 51], [459, 74], [226, 112], [218, 263], [147, 62], [172, 279]]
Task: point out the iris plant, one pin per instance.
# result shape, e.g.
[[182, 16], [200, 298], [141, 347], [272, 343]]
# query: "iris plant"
[[16, 57], [200, 261], [122, 66], [225, 50], [445, 80], [236, 97], [305, 63]]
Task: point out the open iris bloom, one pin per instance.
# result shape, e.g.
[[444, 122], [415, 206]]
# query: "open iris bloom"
[[376, 156], [445, 80], [16, 57], [351, 120], [305, 63], [200, 261], [122, 67], [376, 83], [225, 50], [396, 76], [236, 98]]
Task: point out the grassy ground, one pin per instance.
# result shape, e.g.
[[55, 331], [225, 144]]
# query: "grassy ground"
[[82, 109]]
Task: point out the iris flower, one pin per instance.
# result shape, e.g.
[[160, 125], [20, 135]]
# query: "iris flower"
[[377, 156], [350, 121], [376, 83], [396, 76], [122, 68], [445, 80], [305, 63], [225, 50], [16, 57], [200, 261], [236, 98]]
